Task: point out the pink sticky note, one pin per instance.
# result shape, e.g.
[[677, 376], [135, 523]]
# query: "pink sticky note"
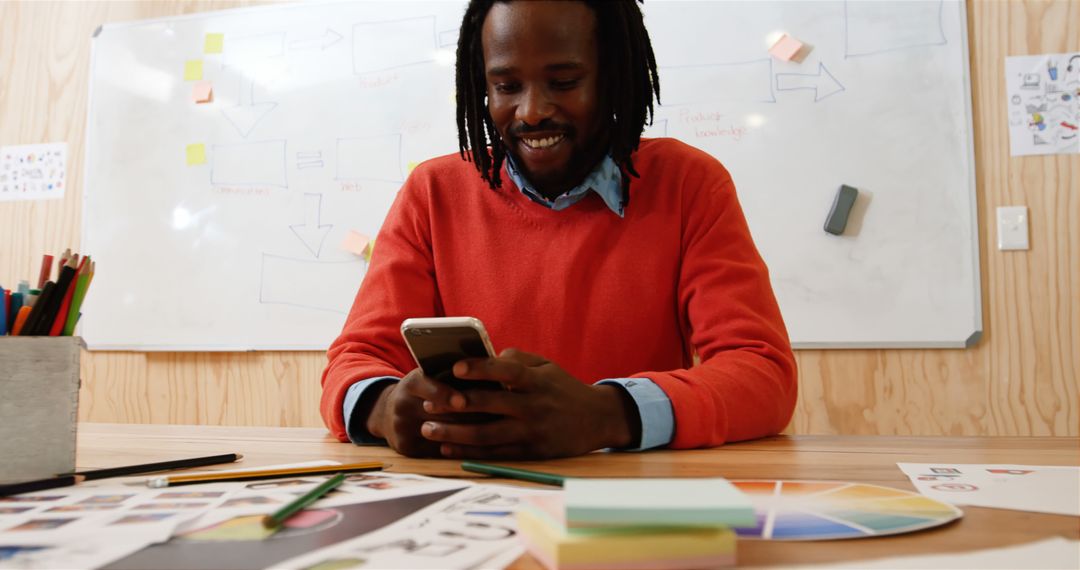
[[785, 48], [355, 243], [203, 92]]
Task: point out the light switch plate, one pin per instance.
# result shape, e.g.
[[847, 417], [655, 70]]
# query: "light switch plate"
[[1012, 228]]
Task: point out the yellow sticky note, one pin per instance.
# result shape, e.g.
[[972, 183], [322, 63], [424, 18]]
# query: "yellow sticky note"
[[413, 165], [193, 70], [214, 43], [196, 154], [203, 92], [370, 249]]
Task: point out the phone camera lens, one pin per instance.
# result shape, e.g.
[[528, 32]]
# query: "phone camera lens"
[[414, 332]]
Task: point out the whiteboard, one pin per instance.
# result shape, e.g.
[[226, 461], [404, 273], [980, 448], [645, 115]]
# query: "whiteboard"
[[216, 226]]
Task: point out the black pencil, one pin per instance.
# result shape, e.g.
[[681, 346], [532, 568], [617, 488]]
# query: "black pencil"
[[159, 466], [40, 485], [39, 309]]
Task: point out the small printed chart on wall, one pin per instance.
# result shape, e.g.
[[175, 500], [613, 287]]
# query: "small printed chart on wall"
[[240, 163]]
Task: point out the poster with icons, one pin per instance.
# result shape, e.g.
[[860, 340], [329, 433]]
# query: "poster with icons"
[[1044, 112], [33, 171], [1036, 488]]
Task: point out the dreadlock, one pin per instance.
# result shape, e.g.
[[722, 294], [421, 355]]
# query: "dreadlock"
[[628, 78]]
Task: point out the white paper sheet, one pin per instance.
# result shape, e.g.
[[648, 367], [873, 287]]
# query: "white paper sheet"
[[1052, 553], [1041, 489], [33, 171], [470, 529], [1044, 112]]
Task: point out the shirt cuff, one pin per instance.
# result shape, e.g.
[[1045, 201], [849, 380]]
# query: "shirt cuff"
[[354, 427], [654, 409]]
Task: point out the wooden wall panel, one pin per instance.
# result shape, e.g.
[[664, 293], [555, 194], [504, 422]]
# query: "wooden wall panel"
[[1021, 379]]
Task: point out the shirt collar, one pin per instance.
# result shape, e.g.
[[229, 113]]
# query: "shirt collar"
[[605, 180]]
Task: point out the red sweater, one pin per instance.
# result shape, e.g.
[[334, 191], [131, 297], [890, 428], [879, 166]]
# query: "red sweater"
[[602, 296]]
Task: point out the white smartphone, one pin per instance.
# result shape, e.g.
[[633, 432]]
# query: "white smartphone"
[[437, 343]]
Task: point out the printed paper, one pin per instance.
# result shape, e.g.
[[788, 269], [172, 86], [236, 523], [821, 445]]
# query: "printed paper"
[[1043, 111], [33, 171], [1033, 488]]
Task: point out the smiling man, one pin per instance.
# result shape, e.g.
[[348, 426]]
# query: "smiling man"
[[606, 260]]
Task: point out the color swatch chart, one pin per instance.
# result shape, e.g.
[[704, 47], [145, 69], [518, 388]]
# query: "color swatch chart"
[[825, 510]]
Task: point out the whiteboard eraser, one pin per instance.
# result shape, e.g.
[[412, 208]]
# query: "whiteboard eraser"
[[841, 208]]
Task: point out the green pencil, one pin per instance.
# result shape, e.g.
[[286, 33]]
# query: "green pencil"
[[275, 520], [512, 473]]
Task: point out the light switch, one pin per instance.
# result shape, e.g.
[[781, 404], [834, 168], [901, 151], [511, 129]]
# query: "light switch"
[[1012, 227]]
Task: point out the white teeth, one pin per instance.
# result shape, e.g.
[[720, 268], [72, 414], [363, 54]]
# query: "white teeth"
[[542, 143]]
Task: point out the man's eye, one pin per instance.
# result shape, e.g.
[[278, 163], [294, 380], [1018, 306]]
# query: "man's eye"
[[564, 84], [507, 87]]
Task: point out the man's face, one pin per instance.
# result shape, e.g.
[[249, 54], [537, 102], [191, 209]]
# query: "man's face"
[[540, 59]]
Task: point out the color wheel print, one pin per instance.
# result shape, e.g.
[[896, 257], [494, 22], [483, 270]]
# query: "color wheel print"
[[825, 510]]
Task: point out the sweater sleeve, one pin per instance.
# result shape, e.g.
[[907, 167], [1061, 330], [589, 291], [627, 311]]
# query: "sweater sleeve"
[[745, 385], [400, 283]]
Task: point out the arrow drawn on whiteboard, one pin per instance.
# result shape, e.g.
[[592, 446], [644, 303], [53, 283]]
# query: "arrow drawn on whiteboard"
[[311, 233], [822, 83], [246, 115], [327, 39]]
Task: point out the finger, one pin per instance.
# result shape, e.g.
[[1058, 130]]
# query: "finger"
[[509, 372], [497, 402], [436, 395], [487, 434], [511, 451]]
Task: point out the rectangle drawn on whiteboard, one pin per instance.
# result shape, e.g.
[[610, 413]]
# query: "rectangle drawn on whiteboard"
[[745, 82], [381, 46], [33, 171], [370, 158], [309, 283], [877, 27], [251, 49], [249, 164]]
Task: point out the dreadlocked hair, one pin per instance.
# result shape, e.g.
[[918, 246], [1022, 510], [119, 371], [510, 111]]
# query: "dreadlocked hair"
[[628, 79]]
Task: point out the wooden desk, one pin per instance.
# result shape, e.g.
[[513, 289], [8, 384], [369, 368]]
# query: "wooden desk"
[[843, 458]]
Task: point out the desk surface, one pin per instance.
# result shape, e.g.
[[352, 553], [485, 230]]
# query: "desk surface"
[[863, 459]]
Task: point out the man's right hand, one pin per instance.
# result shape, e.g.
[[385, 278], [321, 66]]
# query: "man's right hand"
[[398, 414]]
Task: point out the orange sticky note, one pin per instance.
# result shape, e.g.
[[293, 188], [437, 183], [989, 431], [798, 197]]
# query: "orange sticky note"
[[214, 43], [785, 48], [203, 92], [196, 154], [193, 70], [355, 243]]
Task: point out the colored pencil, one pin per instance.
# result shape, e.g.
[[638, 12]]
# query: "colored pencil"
[[159, 466], [81, 284], [40, 307], [16, 306], [67, 274], [281, 515], [20, 319], [5, 308], [46, 270], [258, 475], [65, 304], [40, 485], [512, 473]]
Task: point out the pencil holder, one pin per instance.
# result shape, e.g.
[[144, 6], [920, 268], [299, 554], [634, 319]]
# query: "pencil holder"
[[39, 403]]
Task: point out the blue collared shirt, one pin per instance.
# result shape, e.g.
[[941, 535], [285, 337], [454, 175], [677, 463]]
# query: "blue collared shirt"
[[653, 405]]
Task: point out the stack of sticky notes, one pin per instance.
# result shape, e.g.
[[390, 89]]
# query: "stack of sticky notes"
[[644, 524]]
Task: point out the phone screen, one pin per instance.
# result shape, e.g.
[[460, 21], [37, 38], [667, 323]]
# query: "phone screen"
[[437, 349]]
